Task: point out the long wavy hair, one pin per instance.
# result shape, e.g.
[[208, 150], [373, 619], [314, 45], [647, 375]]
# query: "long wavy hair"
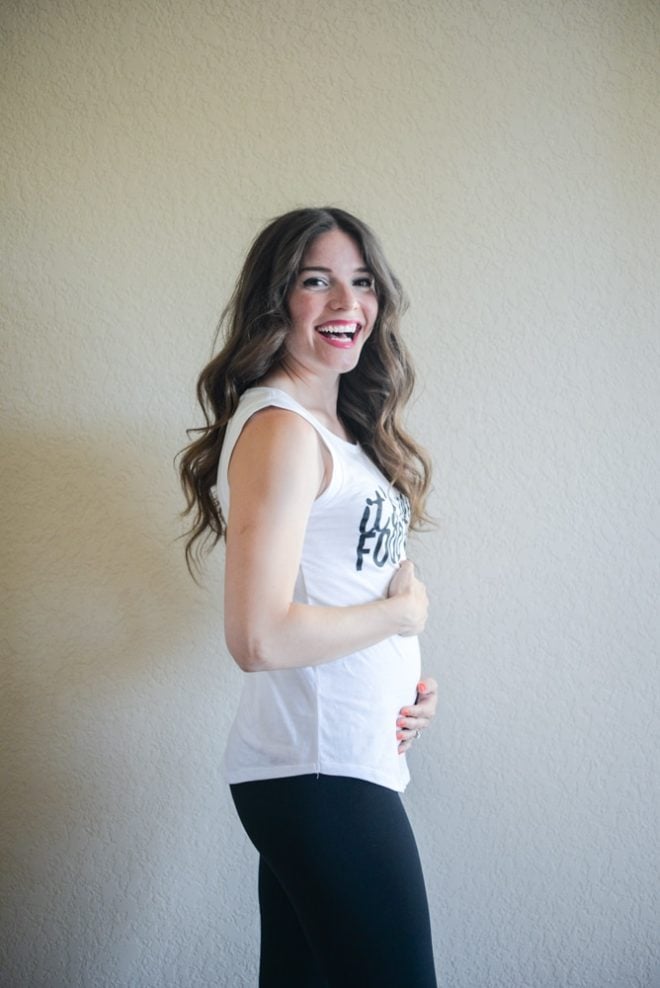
[[254, 326]]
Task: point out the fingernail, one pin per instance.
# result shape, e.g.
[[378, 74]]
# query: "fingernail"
[[406, 712], [421, 688], [399, 736], [399, 723]]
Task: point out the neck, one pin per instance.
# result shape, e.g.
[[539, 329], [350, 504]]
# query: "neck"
[[318, 395], [312, 392]]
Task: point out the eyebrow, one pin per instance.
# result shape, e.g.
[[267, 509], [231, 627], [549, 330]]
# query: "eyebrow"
[[316, 267]]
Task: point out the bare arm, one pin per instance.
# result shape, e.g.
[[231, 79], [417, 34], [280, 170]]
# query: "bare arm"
[[276, 472]]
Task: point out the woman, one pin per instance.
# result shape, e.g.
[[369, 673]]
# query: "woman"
[[316, 485]]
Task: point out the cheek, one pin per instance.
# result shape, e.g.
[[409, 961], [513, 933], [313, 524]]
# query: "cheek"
[[296, 301], [297, 315]]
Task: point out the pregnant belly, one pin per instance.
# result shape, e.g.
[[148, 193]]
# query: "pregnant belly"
[[382, 678]]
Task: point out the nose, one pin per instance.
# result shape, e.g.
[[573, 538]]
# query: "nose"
[[343, 297]]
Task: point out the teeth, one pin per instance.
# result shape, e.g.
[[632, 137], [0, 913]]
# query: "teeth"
[[339, 332]]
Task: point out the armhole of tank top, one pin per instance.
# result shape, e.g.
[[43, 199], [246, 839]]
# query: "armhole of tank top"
[[330, 490]]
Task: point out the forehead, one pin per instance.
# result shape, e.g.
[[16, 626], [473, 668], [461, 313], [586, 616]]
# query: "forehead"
[[334, 249]]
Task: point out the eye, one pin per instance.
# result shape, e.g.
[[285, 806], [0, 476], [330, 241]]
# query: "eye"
[[366, 282], [314, 281]]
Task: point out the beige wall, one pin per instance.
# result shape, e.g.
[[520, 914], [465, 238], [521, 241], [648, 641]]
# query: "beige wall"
[[506, 151]]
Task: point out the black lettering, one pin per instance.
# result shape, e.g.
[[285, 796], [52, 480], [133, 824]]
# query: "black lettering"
[[385, 519]]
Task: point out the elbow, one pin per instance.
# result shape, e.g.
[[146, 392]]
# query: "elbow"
[[248, 660], [248, 652]]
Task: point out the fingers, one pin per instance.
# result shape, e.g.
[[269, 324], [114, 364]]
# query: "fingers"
[[416, 717], [412, 724], [425, 709], [404, 579], [406, 740], [427, 687], [427, 696], [412, 599], [427, 699], [408, 730]]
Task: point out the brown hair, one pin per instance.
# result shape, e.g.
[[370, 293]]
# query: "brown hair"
[[256, 322]]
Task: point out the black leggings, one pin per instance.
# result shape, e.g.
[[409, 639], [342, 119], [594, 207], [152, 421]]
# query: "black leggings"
[[341, 891]]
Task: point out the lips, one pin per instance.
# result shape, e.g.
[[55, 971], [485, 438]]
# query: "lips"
[[339, 332]]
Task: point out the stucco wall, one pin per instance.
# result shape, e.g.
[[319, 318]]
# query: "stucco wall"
[[507, 153]]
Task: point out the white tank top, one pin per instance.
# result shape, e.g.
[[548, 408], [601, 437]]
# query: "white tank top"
[[337, 718]]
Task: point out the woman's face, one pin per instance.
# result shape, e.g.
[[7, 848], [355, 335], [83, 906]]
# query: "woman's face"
[[332, 306]]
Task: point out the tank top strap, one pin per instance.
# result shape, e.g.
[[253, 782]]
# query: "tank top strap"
[[256, 399]]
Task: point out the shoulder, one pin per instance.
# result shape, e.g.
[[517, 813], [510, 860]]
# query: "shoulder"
[[278, 443], [274, 424]]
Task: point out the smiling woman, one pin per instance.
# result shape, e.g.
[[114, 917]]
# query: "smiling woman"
[[332, 307], [303, 467]]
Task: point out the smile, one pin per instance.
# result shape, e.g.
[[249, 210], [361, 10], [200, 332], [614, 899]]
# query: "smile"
[[339, 333]]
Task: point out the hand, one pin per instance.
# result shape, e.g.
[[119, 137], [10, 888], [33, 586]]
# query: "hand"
[[418, 716], [411, 594]]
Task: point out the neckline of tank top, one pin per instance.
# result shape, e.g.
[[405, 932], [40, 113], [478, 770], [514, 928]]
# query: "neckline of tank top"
[[345, 442]]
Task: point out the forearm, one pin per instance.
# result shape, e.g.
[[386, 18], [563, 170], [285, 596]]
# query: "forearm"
[[308, 635]]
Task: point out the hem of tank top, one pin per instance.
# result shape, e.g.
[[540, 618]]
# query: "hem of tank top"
[[317, 740], [373, 774], [263, 773]]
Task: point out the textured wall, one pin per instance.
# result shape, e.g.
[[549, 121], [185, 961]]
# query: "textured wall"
[[506, 150]]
